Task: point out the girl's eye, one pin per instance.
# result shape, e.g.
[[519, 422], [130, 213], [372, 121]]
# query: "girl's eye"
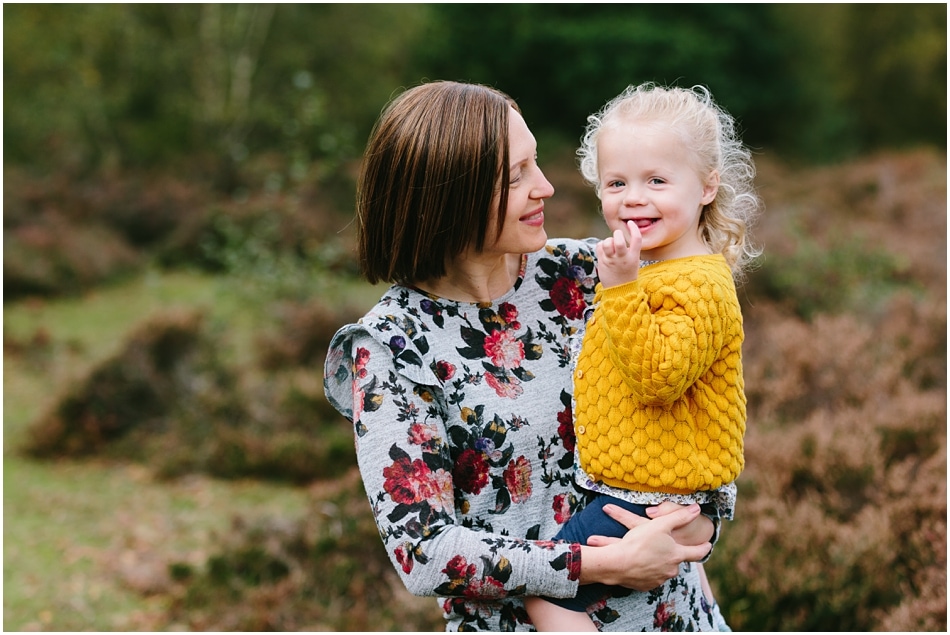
[[656, 181]]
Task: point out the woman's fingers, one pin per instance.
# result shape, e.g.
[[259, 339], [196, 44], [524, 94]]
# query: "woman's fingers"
[[666, 507], [675, 517]]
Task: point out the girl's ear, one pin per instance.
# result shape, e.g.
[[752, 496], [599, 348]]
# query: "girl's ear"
[[710, 187]]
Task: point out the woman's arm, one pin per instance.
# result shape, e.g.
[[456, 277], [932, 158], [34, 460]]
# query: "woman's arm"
[[415, 483]]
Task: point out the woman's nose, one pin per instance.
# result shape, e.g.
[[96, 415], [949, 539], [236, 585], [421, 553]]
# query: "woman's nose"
[[543, 189]]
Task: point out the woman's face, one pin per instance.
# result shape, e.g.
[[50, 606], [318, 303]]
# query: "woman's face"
[[528, 188]]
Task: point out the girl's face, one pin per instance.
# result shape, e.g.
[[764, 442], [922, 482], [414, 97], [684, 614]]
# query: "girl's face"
[[528, 188], [647, 176]]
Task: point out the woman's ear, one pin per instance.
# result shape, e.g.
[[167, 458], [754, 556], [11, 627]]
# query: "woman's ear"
[[710, 187]]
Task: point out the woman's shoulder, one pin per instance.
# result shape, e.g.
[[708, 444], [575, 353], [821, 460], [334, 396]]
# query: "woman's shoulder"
[[571, 246], [395, 325], [561, 254]]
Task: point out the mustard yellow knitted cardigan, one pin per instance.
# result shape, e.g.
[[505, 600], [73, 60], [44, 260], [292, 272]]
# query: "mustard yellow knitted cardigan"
[[659, 395]]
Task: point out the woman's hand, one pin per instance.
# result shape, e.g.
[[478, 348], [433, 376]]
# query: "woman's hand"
[[697, 532], [647, 556]]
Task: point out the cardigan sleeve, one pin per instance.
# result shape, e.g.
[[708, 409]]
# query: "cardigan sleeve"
[[662, 339]]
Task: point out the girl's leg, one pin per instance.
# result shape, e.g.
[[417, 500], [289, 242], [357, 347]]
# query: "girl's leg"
[[548, 617]]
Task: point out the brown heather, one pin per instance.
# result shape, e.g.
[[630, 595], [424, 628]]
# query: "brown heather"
[[841, 523]]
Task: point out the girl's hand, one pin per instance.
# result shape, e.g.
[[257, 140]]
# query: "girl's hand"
[[617, 261]]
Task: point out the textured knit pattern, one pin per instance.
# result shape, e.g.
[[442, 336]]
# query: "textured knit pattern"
[[658, 385], [465, 443]]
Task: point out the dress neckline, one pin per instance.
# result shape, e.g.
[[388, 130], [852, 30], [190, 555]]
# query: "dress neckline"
[[517, 284]]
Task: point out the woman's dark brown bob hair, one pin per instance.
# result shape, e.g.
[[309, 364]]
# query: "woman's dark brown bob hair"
[[429, 180]]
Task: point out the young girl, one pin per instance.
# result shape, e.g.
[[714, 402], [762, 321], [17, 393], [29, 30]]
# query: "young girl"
[[660, 410]]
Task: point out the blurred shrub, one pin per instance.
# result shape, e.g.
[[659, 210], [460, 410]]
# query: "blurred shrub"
[[300, 333], [841, 520], [276, 244], [842, 512], [169, 400], [827, 278], [53, 256], [829, 236], [325, 572], [63, 236], [166, 364]]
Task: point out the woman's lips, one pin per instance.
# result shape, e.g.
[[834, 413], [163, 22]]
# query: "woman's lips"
[[535, 218]]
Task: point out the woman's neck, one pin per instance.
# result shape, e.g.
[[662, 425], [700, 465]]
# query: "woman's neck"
[[476, 280]]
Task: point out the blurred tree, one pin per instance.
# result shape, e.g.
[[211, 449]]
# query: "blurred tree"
[[865, 76], [563, 62], [270, 95], [818, 81], [204, 89], [897, 91]]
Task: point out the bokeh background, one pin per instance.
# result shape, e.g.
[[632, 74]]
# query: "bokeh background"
[[178, 249]]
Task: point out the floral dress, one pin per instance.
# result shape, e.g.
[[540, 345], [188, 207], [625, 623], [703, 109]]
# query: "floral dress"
[[465, 443]]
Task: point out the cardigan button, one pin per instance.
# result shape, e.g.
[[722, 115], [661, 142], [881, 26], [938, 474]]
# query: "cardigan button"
[[580, 374], [581, 429]]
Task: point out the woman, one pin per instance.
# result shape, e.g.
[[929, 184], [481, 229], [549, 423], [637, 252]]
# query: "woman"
[[458, 382]]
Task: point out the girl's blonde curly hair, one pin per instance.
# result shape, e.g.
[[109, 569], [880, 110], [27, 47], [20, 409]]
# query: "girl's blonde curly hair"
[[710, 133]]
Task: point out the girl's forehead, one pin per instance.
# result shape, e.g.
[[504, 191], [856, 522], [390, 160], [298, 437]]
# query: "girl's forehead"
[[646, 131]]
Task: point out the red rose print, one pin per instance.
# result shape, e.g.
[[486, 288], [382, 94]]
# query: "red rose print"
[[420, 433], [485, 589], [567, 298], [404, 558], [508, 312], [504, 349], [662, 616], [574, 563], [518, 479], [471, 471], [562, 509], [511, 388], [565, 429], [444, 371], [362, 356], [407, 483], [459, 569], [441, 492]]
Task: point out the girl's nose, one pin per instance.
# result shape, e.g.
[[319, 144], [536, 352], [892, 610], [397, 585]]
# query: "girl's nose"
[[633, 196]]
